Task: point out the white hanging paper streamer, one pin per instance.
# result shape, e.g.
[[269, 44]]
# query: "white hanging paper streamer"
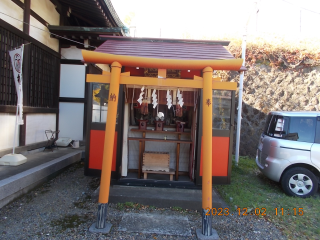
[[141, 96], [169, 99], [154, 98], [180, 99]]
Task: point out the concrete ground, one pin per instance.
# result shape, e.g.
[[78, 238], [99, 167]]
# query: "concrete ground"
[[163, 197], [65, 207], [42, 164]]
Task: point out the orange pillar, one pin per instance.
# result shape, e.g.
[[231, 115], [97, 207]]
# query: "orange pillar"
[[207, 151], [108, 145]]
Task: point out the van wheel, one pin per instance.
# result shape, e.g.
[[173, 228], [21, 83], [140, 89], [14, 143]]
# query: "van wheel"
[[299, 182]]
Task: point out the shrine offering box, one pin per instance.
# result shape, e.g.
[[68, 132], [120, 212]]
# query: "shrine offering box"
[[143, 124], [180, 126], [159, 125]]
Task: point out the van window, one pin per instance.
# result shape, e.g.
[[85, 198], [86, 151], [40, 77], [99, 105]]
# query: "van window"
[[302, 129], [276, 126]]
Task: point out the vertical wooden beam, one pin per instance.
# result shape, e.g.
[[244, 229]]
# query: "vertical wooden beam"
[[26, 73], [178, 157], [108, 145], [63, 16], [56, 93], [88, 128], [110, 132], [207, 151], [85, 112], [26, 17], [140, 157], [22, 131], [174, 97], [26, 66], [143, 150]]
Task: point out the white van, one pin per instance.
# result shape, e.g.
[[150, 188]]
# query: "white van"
[[289, 151]]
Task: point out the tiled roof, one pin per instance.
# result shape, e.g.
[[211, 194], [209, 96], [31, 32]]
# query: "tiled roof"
[[165, 48]]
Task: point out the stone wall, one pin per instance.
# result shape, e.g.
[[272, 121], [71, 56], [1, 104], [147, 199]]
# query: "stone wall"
[[269, 89]]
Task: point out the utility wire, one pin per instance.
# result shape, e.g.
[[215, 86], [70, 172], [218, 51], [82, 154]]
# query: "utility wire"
[[48, 31], [301, 7]]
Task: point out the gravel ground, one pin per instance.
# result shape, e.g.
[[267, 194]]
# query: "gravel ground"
[[64, 208]]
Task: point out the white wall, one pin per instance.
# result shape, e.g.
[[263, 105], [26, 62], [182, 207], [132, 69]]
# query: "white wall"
[[10, 8], [72, 52], [71, 120], [42, 36], [36, 124], [72, 80], [7, 124], [46, 10]]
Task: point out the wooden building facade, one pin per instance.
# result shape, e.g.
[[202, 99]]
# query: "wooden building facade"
[[54, 32]]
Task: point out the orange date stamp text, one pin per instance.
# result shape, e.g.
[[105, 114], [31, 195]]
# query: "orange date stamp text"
[[254, 211]]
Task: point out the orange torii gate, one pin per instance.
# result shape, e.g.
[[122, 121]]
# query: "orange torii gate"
[[115, 78]]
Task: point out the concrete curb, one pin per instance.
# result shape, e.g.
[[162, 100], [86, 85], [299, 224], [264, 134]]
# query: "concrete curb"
[[161, 197], [19, 184]]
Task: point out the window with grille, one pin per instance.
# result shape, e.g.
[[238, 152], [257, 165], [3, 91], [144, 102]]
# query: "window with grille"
[[42, 78], [44, 75], [8, 41]]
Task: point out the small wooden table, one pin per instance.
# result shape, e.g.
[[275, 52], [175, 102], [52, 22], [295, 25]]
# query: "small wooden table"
[[144, 139], [158, 163]]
